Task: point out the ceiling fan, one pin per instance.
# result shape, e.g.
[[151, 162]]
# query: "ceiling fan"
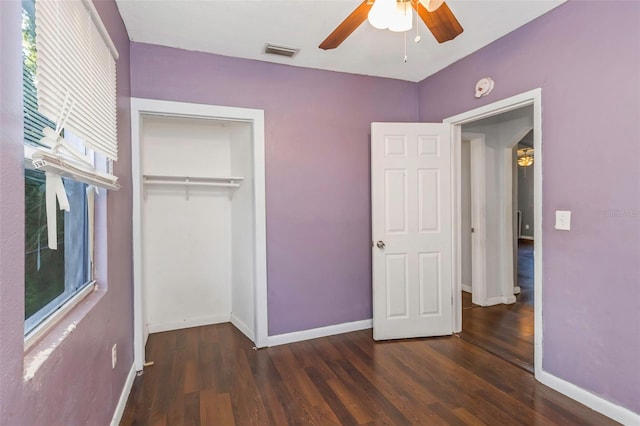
[[434, 13]]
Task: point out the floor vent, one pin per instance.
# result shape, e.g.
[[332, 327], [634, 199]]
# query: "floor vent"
[[273, 49]]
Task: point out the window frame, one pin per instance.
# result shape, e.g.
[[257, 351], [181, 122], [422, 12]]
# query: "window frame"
[[47, 316]]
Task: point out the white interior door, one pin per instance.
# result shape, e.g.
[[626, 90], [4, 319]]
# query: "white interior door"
[[412, 230]]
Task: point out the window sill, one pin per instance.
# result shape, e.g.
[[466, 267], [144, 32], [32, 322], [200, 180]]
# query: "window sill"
[[38, 332], [41, 342]]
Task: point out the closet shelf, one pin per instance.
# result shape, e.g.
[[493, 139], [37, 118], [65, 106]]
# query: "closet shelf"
[[230, 182]]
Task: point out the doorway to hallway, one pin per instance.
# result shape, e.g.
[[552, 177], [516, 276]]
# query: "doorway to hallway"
[[497, 204]]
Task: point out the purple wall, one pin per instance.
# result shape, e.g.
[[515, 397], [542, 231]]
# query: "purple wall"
[[317, 169], [318, 204], [586, 58], [76, 384]]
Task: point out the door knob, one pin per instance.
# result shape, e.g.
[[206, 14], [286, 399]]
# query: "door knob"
[[380, 244]]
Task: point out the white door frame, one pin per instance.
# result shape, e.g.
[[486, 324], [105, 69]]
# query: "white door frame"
[[150, 107], [533, 97]]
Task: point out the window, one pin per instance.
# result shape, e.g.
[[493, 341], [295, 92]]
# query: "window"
[[58, 165], [52, 277]]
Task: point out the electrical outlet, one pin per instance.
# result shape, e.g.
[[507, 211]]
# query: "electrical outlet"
[[526, 226], [114, 355]]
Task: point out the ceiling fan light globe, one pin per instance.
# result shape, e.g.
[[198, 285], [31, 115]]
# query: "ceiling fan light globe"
[[402, 18], [380, 13], [378, 22]]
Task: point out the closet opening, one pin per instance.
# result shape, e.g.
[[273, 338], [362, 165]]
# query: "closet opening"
[[199, 219]]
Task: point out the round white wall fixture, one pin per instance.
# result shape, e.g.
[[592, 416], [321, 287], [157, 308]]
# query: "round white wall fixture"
[[484, 86]]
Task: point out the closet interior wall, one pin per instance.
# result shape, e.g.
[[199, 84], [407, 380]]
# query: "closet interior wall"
[[197, 252]]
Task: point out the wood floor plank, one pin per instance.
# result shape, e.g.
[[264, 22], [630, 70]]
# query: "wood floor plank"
[[246, 401], [468, 418], [212, 376], [334, 402], [447, 415], [351, 401], [191, 377], [191, 412], [215, 409], [295, 378]]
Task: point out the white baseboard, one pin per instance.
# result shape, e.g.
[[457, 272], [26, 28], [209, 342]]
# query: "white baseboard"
[[124, 396], [525, 237], [242, 327], [467, 288], [507, 300], [596, 403], [188, 323], [314, 333], [516, 290]]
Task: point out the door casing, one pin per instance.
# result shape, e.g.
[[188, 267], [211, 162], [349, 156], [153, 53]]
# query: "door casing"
[[146, 107]]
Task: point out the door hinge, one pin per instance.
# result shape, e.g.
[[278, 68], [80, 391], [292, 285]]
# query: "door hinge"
[[473, 230]]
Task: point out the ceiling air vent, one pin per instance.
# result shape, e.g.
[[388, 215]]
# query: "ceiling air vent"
[[273, 49]]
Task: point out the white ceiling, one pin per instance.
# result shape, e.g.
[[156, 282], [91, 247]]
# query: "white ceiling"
[[240, 28]]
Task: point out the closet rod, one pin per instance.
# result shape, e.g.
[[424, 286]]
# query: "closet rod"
[[186, 181], [177, 178], [191, 183]]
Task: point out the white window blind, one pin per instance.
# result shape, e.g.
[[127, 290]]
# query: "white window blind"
[[76, 88], [76, 72]]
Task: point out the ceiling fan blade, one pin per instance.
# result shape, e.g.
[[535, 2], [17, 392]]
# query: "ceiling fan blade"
[[353, 21], [441, 22]]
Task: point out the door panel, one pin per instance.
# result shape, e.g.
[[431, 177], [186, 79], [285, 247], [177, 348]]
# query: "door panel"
[[395, 189], [412, 230], [397, 286], [429, 205], [430, 283]]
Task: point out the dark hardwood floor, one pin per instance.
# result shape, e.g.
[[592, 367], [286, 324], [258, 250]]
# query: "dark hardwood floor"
[[505, 330], [525, 271], [212, 376]]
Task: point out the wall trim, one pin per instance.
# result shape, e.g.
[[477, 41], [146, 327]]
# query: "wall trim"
[[242, 327], [467, 288], [595, 402], [507, 300], [124, 396], [188, 323], [525, 237], [314, 333]]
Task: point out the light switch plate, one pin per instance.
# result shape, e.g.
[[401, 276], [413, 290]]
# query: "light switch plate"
[[563, 220]]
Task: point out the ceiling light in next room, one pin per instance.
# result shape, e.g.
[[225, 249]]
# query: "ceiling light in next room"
[[274, 49], [525, 157]]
